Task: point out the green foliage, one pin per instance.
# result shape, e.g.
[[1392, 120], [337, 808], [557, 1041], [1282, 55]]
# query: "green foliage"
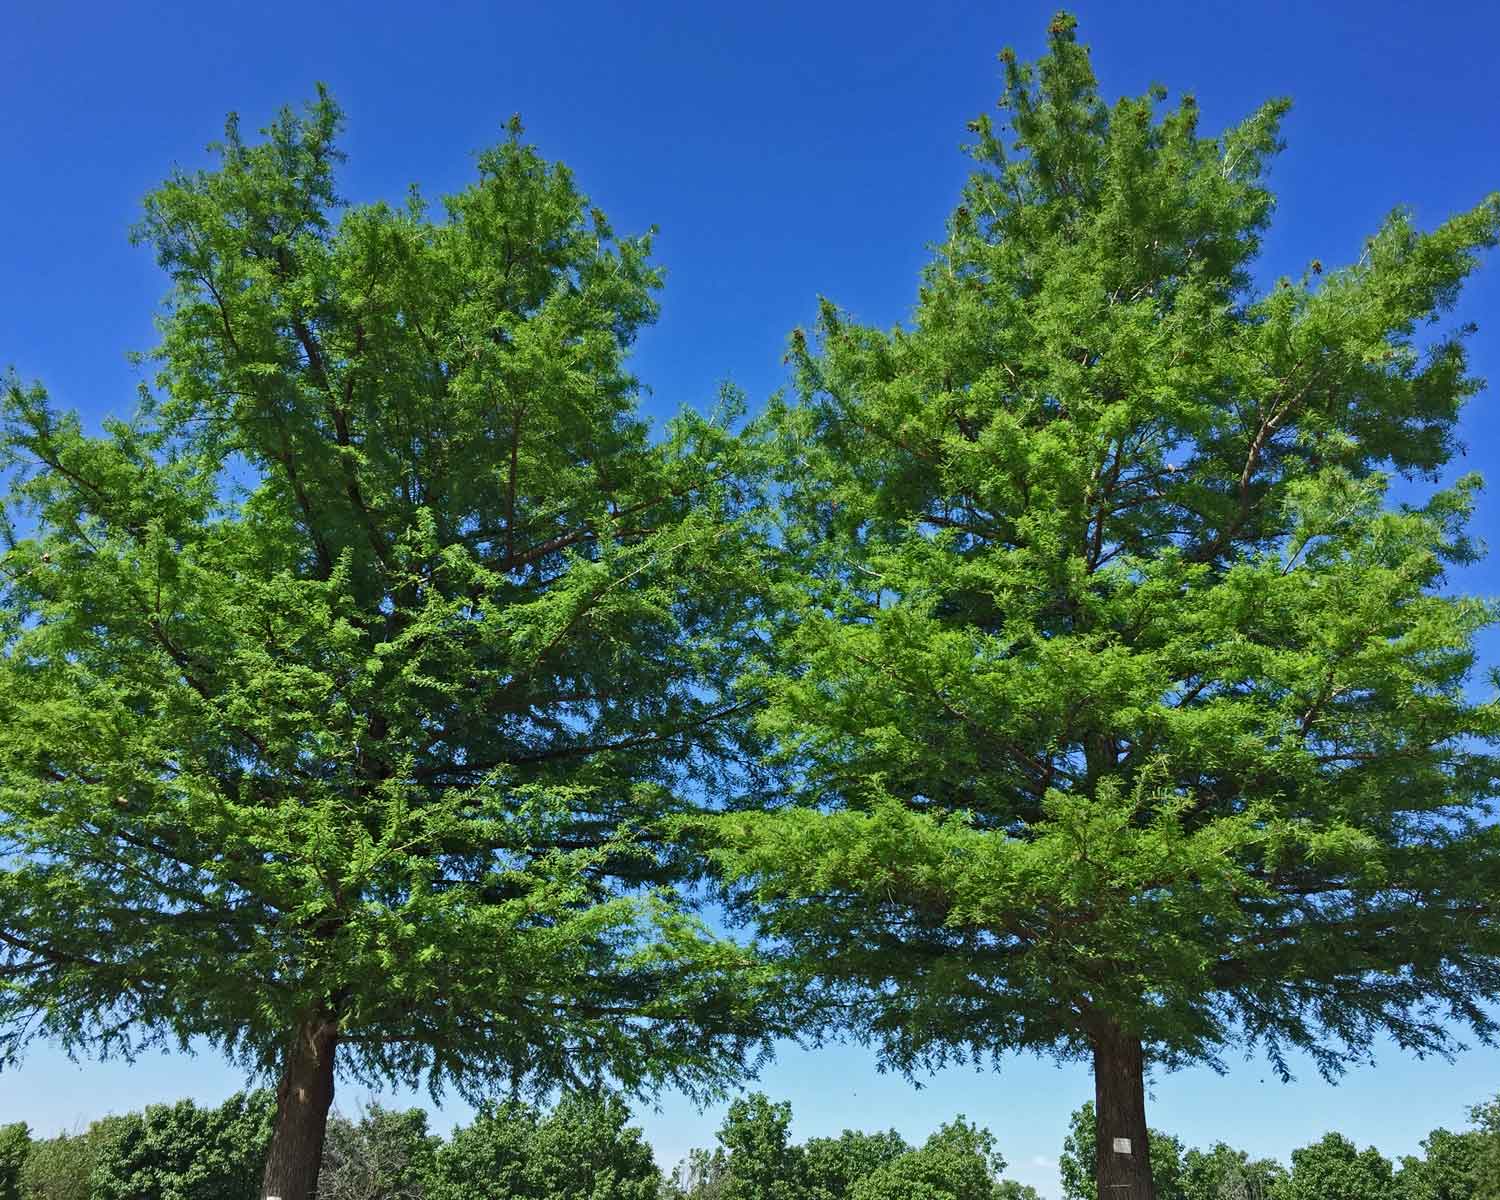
[[344, 686], [702, 1175], [1124, 702], [1451, 1167], [486, 1157], [1075, 1163], [184, 1152], [834, 1165], [1487, 1159], [15, 1144], [1223, 1173], [58, 1168], [584, 1149], [385, 1155], [756, 1159], [1334, 1166], [62, 1167], [1447, 1170], [764, 1164], [958, 1162]]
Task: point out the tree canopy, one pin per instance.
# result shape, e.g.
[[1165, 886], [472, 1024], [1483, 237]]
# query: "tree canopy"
[[343, 686], [1130, 714], [368, 694]]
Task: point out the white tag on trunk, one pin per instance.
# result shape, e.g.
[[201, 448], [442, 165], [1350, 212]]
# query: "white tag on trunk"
[[1122, 1145]]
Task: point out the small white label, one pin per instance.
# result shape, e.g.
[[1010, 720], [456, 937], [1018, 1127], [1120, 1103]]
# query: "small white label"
[[1122, 1145]]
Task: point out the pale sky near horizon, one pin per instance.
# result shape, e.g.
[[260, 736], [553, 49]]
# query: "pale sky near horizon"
[[785, 150]]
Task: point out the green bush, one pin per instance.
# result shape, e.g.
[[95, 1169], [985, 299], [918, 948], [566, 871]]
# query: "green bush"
[[184, 1152], [958, 1162], [584, 1149], [60, 1168], [1447, 1170], [1486, 1118], [385, 1155], [757, 1160], [835, 1165], [1224, 1173], [15, 1143]]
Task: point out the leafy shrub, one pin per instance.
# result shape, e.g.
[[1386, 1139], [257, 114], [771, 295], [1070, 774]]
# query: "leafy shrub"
[[60, 1168], [958, 1162], [584, 1149], [15, 1143], [385, 1155], [184, 1152]]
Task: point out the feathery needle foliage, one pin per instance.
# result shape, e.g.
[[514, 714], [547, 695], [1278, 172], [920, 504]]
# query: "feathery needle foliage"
[[1128, 711], [343, 688]]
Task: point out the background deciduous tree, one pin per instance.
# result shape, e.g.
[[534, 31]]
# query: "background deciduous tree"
[[756, 1159], [186, 1152], [343, 686], [835, 1165], [1224, 1173], [15, 1143], [763, 1163], [1334, 1166], [1447, 1169], [1128, 704], [702, 1175], [582, 1149], [62, 1167], [958, 1162], [1487, 1164], [386, 1154]]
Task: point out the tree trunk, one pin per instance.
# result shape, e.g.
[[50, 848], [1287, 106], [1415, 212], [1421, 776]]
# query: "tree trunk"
[[303, 1099], [1122, 1150]]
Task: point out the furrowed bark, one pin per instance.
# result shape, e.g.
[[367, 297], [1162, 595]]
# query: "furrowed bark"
[[303, 1099], [1122, 1150]]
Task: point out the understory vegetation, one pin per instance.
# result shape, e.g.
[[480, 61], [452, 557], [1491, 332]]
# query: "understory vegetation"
[[585, 1148]]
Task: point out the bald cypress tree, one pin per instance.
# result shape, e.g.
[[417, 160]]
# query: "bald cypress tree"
[[342, 689], [1130, 712]]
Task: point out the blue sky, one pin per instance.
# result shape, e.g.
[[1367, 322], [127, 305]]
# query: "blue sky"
[[785, 150]]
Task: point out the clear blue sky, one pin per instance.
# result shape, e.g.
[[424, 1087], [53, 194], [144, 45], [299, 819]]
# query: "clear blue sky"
[[785, 150]]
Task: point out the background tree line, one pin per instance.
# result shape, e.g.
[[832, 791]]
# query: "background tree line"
[[584, 1148]]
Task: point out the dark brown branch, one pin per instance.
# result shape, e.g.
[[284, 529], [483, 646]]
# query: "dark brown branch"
[[437, 771]]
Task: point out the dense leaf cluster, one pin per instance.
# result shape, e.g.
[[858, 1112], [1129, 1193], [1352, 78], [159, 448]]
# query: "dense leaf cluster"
[[176, 1151]]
